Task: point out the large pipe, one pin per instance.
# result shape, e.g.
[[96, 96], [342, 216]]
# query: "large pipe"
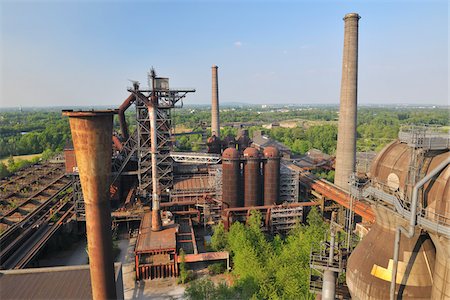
[[91, 135], [329, 276], [346, 144], [156, 216], [409, 233], [122, 121], [215, 120]]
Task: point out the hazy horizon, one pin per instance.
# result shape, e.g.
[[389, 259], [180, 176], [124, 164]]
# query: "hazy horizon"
[[84, 53]]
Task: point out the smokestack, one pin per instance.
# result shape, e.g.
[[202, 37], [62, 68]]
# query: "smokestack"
[[91, 135], [346, 144], [215, 122], [156, 215]]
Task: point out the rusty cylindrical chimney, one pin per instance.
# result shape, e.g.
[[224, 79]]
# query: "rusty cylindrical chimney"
[[91, 135], [346, 144], [215, 119]]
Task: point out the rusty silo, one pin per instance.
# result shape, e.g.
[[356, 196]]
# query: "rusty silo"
[[215, 118], [91, 135], [346, 144], [421, 265], [231, 178], [252, 178], [271, 176]]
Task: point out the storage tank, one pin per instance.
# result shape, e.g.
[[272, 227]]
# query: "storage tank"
[[271, 176], [252, 178], [231, 178], [424, 268]]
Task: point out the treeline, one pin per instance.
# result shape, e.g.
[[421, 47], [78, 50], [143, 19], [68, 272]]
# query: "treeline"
[[24, 133], [264, 267], [193, 117]]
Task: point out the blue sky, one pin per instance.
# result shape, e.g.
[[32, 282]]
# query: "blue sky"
[[84, 52]]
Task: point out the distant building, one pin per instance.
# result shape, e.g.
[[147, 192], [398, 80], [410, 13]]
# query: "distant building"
[[272, 125], [261, 141]]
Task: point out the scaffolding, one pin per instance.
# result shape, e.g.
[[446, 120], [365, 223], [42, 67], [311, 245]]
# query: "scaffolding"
[[283, 219], [289, 181], [425, 137]]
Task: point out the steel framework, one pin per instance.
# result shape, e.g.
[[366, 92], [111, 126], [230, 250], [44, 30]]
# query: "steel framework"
[[195, 157], [163, 100]]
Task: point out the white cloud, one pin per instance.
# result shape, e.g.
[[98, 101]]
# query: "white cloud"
[[238, 44]]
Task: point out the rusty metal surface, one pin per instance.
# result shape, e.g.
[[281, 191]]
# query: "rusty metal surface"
[[208, 256], [231, 178], [252, 178], [122, 121], [70, 161], [368, 271], [149, 240], [214, 145], [396, 159], [91, 134], [191, 183], [271, 176]]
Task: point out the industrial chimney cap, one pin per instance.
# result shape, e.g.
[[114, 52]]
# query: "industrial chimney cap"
[[214, 66], [251, 153], [230, 153], [352, 15], [89, 113], [271, 152]]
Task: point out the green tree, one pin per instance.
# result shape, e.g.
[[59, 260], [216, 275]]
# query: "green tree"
[[219, 238], [183, 268]]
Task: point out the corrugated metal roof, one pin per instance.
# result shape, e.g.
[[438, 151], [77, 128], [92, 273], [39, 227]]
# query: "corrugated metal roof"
[[264, 141], [72, 282], [192, 183]]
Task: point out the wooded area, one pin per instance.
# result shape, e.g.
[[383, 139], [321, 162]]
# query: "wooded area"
[[264, 267]]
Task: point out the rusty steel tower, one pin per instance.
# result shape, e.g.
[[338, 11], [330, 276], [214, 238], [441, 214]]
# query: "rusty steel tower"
[[346, 144]]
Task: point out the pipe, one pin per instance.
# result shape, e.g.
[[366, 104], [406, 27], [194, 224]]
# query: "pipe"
[[409, 233], [91, 134], [156, 216], [329, 285], [123, 124], [329, 276]]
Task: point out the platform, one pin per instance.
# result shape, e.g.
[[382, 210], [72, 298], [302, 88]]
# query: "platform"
[[149, 240]]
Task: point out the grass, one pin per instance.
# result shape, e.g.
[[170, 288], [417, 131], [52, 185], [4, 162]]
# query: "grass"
[[22, 157]]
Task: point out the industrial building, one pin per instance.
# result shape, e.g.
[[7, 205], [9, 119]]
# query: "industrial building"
[[136, 177]]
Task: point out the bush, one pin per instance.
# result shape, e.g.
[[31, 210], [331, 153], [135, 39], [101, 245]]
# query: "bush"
[[217, 268]]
